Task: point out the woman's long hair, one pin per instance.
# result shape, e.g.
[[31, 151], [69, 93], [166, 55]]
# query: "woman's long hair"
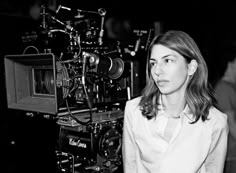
[[199, 96]]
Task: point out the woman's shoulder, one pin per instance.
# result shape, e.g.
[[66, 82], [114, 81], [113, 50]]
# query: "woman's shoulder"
[[134, 102], [218, 118], [132, 108]]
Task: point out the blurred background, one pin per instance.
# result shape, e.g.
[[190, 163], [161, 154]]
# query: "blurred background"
[[28, 143]]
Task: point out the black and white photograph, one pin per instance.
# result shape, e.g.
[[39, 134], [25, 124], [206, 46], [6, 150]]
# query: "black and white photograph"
[[98, 86]]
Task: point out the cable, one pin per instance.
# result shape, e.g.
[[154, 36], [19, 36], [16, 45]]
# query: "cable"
[[73, 117]]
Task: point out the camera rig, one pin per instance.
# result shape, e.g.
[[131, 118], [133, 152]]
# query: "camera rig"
[[73, 76], [88, 77]]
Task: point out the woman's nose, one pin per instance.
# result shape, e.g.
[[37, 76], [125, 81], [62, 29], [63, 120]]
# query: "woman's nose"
[[158, 69]]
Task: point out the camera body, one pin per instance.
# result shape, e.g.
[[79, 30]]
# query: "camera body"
[[94, 147]]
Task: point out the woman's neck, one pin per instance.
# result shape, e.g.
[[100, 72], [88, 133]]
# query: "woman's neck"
[[173, 105]]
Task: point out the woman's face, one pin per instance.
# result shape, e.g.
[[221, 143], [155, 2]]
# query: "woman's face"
[[169, 70]]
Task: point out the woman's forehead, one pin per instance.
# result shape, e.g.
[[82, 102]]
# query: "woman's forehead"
[[160, 51]]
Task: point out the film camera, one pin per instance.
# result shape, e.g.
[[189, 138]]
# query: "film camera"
[[72, 75]]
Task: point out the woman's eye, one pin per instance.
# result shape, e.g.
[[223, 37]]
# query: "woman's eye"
[[152, 64], [168, 60]]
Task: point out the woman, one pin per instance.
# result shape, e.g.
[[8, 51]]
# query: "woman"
[[174, 126]]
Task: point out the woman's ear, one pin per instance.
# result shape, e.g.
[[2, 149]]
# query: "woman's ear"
[[192, 67]]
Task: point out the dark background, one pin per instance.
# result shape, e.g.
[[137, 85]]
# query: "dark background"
[[27, 143], [209, 23]]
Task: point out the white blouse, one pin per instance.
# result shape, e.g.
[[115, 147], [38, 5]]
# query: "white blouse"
[[147, 146]]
